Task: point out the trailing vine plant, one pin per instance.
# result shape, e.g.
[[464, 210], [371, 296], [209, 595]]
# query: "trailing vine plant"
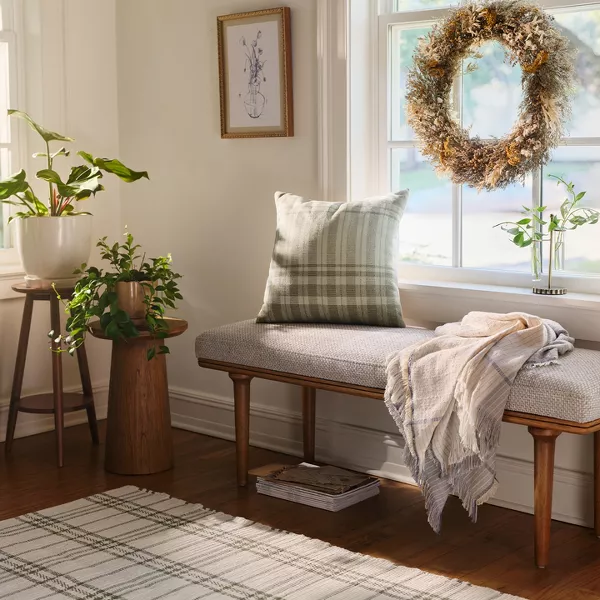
[[95, 297]]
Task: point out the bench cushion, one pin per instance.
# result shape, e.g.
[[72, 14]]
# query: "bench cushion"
[[356, 355]]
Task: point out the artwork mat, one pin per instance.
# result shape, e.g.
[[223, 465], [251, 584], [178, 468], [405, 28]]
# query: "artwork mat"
[[282, 17], [267, 103]]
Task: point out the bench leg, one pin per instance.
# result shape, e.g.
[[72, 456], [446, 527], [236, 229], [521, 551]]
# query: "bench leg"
[[309, 396], [544, 444], [597, 483], [241, 397]]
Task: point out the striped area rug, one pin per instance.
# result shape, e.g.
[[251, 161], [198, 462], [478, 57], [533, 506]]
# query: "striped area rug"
[[135, 544]]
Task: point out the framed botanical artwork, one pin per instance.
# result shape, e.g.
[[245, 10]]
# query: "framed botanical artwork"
[[255, 74]]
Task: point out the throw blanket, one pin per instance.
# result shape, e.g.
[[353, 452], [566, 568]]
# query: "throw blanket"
[[448, 394]]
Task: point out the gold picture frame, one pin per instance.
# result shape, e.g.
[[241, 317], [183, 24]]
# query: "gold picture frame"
[[255, 74]]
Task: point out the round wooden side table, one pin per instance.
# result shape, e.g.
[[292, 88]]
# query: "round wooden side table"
[[56, 403], [138, 429]]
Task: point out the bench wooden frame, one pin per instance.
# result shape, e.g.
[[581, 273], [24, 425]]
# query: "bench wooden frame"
[[544, 430]]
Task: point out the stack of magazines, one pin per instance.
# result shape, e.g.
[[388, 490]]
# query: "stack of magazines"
[[329, 488]]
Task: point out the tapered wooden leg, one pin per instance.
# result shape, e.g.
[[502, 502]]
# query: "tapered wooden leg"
[[241, 396], [57, 378], [17, 384], [309, 395], [544, 444], [86, 384], [597, 483]]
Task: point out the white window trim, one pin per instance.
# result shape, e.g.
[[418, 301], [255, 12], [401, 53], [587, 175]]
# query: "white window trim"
[[431, 294], [12, 17], [332, 53]]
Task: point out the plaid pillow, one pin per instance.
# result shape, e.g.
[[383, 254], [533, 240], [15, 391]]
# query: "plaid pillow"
[[335, 262]]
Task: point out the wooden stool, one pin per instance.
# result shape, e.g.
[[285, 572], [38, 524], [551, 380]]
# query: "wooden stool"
[[58, 402], [138, 426]]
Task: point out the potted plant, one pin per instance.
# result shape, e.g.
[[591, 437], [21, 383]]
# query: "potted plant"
[[54, 237], [134, 294], [529, 231]]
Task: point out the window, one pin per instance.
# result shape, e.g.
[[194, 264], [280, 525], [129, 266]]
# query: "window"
[[446, 225], [9, 146]]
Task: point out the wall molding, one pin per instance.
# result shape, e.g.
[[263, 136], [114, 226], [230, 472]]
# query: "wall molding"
[[371, 451]]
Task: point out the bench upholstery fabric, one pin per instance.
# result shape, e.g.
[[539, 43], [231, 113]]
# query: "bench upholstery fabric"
[[356, 355]]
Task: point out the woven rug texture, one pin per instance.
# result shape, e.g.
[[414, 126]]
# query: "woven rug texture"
[[140, 545]]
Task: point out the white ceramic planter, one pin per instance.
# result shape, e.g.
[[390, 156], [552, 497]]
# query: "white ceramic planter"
[[51, 248]]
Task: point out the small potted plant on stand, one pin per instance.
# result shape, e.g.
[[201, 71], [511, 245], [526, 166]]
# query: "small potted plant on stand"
[[529, 232], [133, 295], [53, 238], [127, 305]]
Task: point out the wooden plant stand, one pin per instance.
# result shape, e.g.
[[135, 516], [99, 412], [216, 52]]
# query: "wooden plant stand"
[[57, 403], [138, 429]]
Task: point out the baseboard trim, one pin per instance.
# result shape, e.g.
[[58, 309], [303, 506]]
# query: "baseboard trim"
[[30, 424], [371, 451]]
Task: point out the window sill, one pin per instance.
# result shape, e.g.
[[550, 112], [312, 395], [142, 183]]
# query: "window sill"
[[431, 302], [500, 292]]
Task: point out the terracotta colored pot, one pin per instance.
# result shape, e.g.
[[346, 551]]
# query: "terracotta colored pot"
[[130, 298]]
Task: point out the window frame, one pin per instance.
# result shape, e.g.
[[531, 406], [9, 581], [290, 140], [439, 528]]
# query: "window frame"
[[387, 17], [12, 20]]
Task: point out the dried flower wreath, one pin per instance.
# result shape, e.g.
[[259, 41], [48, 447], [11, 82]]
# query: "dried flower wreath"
[[547, 62]]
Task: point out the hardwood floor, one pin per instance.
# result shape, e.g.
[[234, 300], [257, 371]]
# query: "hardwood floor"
[[496, 552]]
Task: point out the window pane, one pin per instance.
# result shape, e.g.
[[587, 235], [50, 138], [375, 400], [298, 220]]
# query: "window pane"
[[404, 42], [580, 165], [403, 5], [491, 93], [487, 247], [583, 28], [5, 171], [4, 94], [426, 227]]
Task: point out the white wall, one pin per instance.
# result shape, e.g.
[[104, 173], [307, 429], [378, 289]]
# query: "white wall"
[[210, 204], [71, 86]]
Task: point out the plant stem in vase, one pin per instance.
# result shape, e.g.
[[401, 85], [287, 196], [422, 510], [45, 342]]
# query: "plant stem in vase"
[[536, 260], [552, 256], [559, 249], [530, 231]]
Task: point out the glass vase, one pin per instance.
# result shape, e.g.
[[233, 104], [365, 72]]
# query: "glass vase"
[[536, 261], [559, 250]]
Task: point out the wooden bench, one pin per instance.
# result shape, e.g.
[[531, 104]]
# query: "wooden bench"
[[351, 360]]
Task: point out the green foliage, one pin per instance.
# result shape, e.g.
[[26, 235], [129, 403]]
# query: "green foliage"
[[45, 134], [530, 228], [95, 298], [115, 167], [82, 182]]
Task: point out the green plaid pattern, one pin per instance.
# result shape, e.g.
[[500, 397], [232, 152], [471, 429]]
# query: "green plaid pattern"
[[335, 262], [132, 544]]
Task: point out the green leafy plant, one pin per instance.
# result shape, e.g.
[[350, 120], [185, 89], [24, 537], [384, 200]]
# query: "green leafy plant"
[[95, 297], [531, 228], [82, 182]]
